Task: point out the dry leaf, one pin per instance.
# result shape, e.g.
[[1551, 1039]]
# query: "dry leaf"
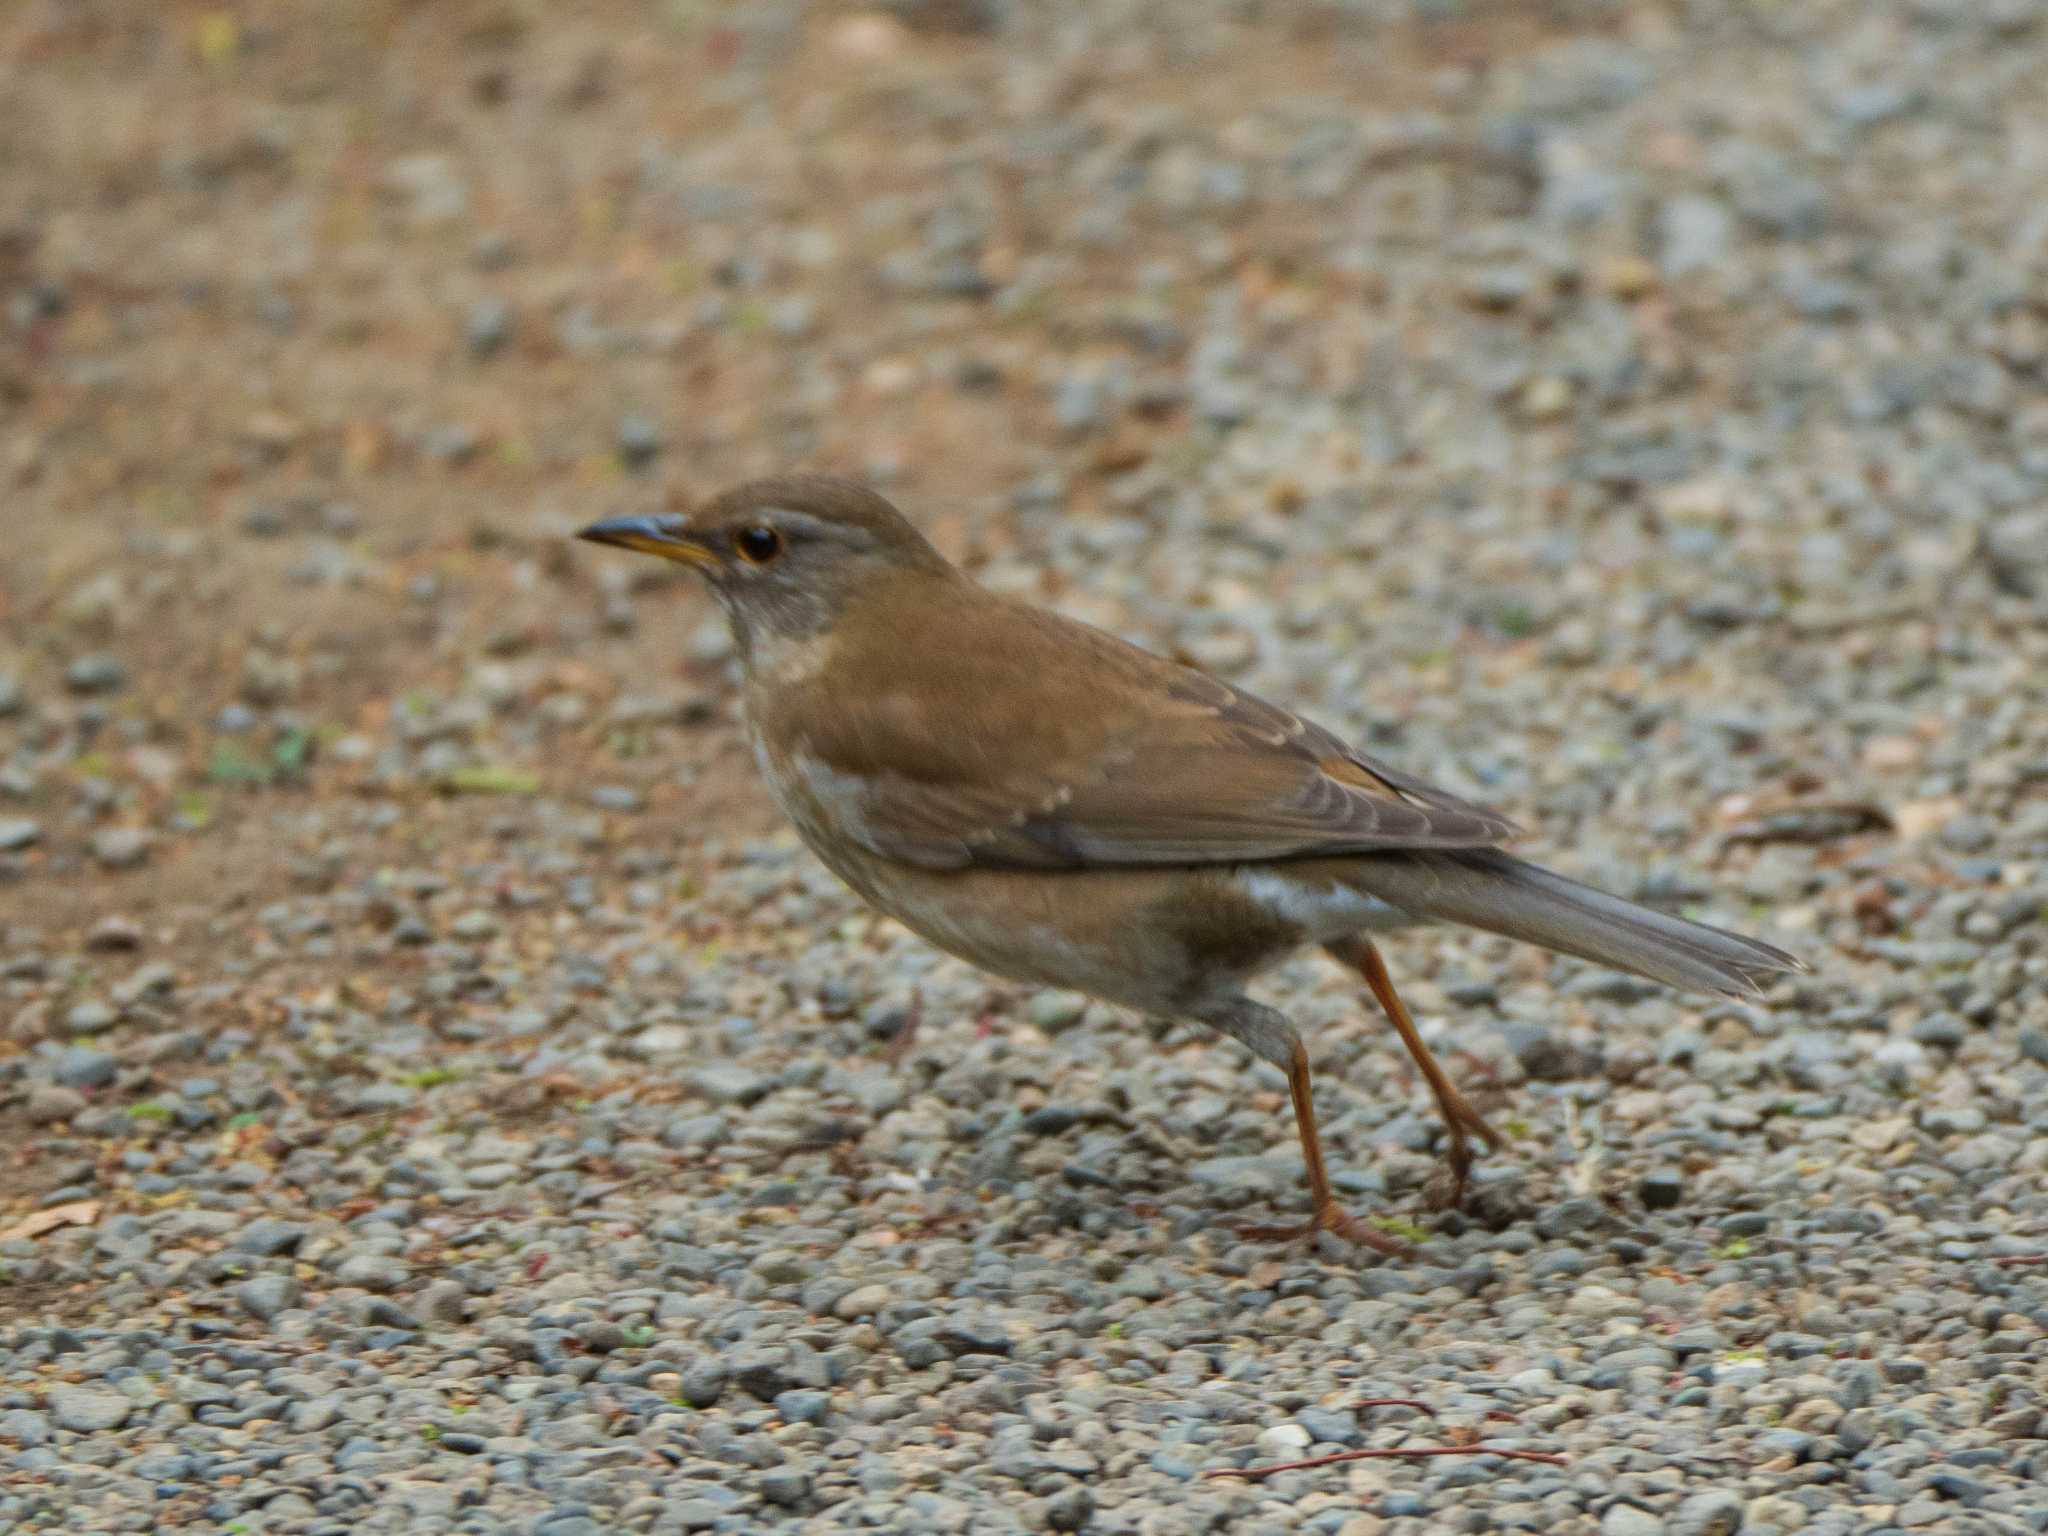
[[79, 1213]]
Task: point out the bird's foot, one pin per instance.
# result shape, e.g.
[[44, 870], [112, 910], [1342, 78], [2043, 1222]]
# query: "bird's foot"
[[1446, 1191], [1332, 1218]]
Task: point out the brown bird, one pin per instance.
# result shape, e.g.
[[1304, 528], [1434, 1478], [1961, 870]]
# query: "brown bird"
[[1061, 808]]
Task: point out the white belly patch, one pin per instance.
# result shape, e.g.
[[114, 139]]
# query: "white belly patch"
[[1324, 909]]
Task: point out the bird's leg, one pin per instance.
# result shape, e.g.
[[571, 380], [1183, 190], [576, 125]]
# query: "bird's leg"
[[1267, 1034], [1362, 956]]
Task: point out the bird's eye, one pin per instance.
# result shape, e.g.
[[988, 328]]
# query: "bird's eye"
[[757, 545]]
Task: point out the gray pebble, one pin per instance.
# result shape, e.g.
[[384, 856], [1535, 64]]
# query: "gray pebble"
[[785, 1486], [88, 1410], [264, 1296], [269, 1237], [80, 1066], [1630, 1520], [724, 1083], [487, 327], [373, 1271], [639, 441], [97, 673], [1717, 1512]]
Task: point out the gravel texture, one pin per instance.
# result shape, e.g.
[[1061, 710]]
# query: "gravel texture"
[[438, 1096]]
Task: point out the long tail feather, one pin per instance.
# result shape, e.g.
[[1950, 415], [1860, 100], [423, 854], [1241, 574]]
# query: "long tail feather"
[[1501, 894]]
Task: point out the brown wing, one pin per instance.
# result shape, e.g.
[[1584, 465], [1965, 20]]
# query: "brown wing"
[[1056, 746]]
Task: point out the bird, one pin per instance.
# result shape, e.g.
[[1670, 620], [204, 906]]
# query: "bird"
[[1062, 808]]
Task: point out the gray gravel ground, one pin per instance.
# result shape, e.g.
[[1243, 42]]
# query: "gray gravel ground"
[[1645, 430]]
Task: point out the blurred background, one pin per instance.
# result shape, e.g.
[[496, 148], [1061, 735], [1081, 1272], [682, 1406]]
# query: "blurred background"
[[1565, 378], [1633, 413]]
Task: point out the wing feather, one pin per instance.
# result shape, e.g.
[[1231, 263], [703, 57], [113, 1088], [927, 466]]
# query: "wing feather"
[[991, 760]]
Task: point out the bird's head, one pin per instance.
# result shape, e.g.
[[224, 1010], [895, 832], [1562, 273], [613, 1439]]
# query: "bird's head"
[[784, 556]]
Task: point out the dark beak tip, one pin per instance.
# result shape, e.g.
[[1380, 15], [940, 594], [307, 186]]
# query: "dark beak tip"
[[629, 531]]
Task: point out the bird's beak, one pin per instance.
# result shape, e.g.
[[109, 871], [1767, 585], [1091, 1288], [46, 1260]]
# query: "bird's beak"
[[659, 533]]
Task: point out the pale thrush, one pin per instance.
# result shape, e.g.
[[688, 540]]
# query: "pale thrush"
[[1064, 809]]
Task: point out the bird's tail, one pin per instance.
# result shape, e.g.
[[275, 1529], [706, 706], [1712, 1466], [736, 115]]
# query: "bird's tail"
[[1493, 891]]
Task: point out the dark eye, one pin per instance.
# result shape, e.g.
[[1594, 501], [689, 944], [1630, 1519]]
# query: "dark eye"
[[757, 545]]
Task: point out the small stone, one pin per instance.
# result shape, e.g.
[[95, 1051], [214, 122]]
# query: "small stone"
[[121, 847], [1329, 1426], [51, 1105], [373, 1271], [785, 1486], [17, 832], [97, 673], [802, 1405], [1628, 1520], [444, 1301], [639, 440], [264, 1296], [453, 443], [1283, 1442], [269, 1238], [91, 1017], [312, 1414], [383, 1312], [724, 1083], [80, 1066], [487, 327], [474, 925], [89, 1410], [1942, 1030], [1966, 1491], [114, 934], [863, 1301], [1694, 234], [1570, 1216], [704, 1382], [1661, 1190], [1501, 286], [1070, 1509], [1056, 1012], [1716, 1513], [25, 1427], [12, 699]]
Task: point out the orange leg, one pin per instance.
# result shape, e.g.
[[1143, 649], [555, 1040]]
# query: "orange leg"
[[1460, 1118], [1327, 1215]]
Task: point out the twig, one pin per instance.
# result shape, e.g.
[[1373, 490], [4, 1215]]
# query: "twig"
[[1548, 1458], [2019, 1260]]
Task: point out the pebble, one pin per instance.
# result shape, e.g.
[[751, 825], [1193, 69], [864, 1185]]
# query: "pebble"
[[80, 1066], [487, 327], [639, 440], [265, 1296], [268, 1237], [1629, 1520], [97, 673], [89, 1410], [1717, 1512]]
